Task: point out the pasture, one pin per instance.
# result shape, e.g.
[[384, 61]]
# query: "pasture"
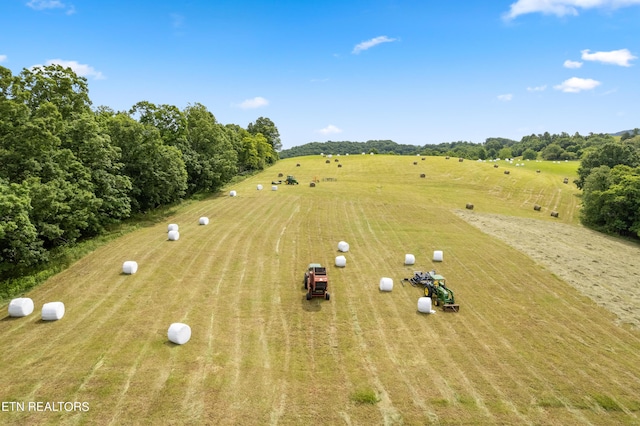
[[527, 346]]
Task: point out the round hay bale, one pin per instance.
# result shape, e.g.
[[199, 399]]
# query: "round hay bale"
[[409, 259], [343, 246], [274, 188], [297, 164], [130, 267], [259, 187], [20, 307], [341, 261], [233, 193], [172, 227], [280, 174], [339, 165], [422, 175], [506, 172], [173, 235], [495, 166], [424, 305], [203, 220], [386, 284], [179, 333], [328, 161], [554, 214], [415, 163], [446, 158], [437, 256], [460, 160], [565, 180], [52, 311], [312, 184], [423, 158], [537, 207], [469, 206]]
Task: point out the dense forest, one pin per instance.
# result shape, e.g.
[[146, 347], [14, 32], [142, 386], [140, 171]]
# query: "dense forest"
[[69, 171]]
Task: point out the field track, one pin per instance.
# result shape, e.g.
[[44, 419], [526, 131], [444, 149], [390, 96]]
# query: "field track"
[[526, 348]]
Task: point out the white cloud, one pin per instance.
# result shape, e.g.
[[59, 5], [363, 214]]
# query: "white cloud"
[[82, 70], [572, 64], [562, 7], [576, 84], [3, 58], [616, 57], [370, 43], [51, 4], [537, 88], [253, 103], [330, 129], [506, 97]]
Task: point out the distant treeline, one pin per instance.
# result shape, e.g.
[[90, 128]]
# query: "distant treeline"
[[67, 171], [543, 146]]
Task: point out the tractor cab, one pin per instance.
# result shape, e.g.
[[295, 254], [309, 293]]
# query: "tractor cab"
[[291, 180]]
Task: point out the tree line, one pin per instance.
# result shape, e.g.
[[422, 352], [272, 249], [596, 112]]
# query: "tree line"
[[546, 146], [69, 171]]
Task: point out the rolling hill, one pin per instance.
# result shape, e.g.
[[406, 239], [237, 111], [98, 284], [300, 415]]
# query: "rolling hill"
[[532, 343]]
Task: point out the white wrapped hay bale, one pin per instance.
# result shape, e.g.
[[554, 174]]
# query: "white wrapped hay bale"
[[343, 246], [259, 187], [232, 193], [179, 333], [203, 221], [386, 284], [172, 227], [274, 188], [52, 311], [20, 307], [409, 259], [437, 256], [174, 235], [341, 261], [424, 305], [130, 267]]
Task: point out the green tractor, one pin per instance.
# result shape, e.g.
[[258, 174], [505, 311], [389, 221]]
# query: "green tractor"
[[435, 287], [291, 180]]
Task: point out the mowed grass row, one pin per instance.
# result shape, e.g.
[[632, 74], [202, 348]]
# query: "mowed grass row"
[[525, 347]]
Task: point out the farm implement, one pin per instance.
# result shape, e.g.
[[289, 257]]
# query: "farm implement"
[[316, 281], [434, 286]]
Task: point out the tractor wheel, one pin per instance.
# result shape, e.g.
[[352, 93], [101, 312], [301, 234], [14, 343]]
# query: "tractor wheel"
[[305, 282], [326, 296], [309, 296], [428, 291]]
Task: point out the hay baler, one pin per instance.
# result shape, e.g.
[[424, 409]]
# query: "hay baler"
[[316, 281], [435, 287]]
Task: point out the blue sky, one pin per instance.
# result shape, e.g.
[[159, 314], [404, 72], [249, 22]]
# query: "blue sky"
[[415, 71]]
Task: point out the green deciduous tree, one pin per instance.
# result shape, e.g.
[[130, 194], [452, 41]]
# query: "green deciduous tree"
[[608, 154], [268, 129], [19, 243], [157, 171]]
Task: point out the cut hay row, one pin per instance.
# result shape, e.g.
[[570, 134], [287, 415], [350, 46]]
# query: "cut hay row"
[[524, 349]]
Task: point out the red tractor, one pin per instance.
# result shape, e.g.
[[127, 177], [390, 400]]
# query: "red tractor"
[[316, 282]]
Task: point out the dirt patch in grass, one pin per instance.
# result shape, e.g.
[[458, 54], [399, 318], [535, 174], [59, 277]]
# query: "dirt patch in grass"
[[606, 269]]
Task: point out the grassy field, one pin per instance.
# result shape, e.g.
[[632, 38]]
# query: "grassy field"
[[525, 348]]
